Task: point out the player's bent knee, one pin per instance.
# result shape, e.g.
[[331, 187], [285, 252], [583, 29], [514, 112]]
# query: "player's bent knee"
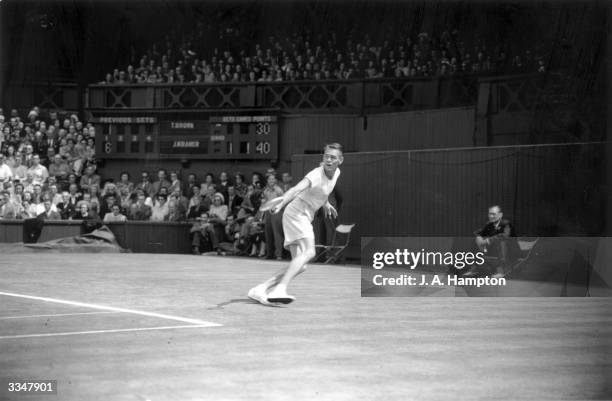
[[309, 254]]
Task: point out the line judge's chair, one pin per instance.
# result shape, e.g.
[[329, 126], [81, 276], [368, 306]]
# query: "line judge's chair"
[[331, 253]]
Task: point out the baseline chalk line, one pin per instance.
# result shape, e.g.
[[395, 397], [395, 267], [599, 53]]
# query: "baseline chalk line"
[[73, 333], [198, 322], [56, 315]]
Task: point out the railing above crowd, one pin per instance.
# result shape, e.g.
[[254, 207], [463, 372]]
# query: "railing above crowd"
[[333, 95], [350, 96], [303, 96]]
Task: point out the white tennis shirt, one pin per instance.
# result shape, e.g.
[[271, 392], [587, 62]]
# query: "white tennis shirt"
[[320, 188]]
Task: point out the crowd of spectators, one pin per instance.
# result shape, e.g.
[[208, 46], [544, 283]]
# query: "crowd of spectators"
[[187, 59], [40, 158], [48, 171]]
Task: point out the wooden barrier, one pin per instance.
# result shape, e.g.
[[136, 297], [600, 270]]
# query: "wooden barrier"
[[152, 237], [137, 236]]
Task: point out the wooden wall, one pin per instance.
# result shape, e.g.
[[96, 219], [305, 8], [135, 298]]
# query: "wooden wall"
[[429, 129], [139, 237]]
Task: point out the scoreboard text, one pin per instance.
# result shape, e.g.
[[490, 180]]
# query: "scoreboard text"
[[221, 137]]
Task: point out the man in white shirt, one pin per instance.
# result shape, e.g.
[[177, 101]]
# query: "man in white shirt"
[[20, 172], [38, 171], [47, 210], [6, 174]]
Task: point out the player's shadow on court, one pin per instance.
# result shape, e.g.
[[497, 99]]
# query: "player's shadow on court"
[[233, 301]]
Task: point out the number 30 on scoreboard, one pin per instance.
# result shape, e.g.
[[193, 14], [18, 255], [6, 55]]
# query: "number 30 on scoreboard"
[[262, 128]]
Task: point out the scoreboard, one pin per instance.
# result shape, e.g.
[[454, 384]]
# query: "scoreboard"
[[226, 137], [218, 137], [121, 136]]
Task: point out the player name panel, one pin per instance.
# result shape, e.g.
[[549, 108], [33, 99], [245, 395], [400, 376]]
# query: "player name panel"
[[223, 137]]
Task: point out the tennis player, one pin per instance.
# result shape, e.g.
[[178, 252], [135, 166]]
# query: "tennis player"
[[302, 201]]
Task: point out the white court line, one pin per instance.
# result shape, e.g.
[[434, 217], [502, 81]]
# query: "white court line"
[[72, 333], [54, 315], [113, 309]]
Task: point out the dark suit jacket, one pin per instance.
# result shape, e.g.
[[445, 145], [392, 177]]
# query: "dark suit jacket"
[[494, 231], [234, 205], [196, 211], [67, 210], [155, 187]]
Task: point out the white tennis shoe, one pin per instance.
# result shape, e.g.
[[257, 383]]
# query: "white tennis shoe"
[[258, 293], [280, 296]]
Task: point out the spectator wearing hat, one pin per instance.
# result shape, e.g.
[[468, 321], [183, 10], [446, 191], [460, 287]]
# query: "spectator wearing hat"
[[32, 115], [218, 208]]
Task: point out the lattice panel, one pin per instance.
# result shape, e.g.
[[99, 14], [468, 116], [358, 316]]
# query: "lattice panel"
[[397, 94], [517, 96], [119, 97], [311, 96], [49, 97], [212, 97]]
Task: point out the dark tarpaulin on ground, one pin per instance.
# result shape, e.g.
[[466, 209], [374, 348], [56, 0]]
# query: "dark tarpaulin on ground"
[[101, 240]]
